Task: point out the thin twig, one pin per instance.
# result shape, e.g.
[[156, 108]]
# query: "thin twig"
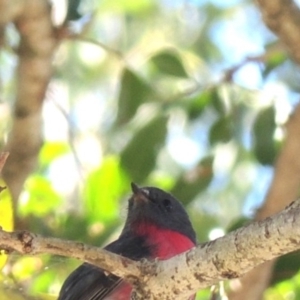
[[3, 158], [80, 37]]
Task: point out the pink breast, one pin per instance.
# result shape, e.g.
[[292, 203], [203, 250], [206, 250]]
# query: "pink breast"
[[166, 243]]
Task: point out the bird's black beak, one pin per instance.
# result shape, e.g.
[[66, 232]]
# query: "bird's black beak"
[[139, 194]]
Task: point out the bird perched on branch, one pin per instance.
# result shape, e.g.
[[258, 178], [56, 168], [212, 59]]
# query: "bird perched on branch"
[[157, 226]]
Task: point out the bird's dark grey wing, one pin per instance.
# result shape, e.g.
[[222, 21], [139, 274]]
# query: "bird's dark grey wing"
[[88, 282]]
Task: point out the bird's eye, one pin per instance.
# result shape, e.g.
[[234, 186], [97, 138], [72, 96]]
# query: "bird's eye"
[[167, 204]]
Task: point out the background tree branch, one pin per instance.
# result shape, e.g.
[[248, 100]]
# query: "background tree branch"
[[35, 50], [283, 18]]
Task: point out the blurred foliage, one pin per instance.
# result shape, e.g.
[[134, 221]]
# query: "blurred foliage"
[[190, 96], [169, 63], [264, 130], [103, 204], [131, 86], [6, 215], [150, 138]]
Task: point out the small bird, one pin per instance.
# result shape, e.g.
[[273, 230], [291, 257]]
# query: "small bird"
[[157, 226]]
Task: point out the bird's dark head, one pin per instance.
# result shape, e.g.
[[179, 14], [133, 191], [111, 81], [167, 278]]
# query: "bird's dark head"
[[155, 206]]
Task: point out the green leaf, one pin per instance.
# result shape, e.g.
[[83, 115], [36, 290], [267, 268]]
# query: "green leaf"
[[43, 281], [197, 104], [264, 145], [170, 63], [139, 156], [242, 221], [204, 294], [103, 190], [286, 267], [161, 179], [51, 151], [42, 198], [275, 60], [221, 131], [133, 93], [72, 10], [203, 223], [25, 267], [190, 185], [217, 102], [128, 6]]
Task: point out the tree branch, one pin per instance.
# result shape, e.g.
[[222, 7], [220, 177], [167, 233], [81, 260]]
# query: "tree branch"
[[37, 44], [283, 18], [26, 242], [3, 158], [225, 258]]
